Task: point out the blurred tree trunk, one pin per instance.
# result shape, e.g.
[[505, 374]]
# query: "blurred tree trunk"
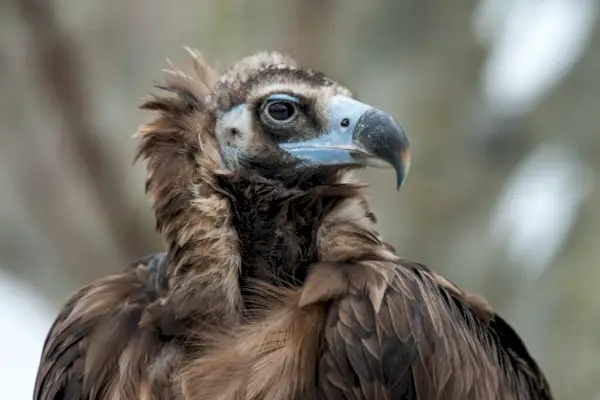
[[45, 191], [59, 72]]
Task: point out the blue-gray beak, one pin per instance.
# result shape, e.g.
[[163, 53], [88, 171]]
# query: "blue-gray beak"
[[358, 134]]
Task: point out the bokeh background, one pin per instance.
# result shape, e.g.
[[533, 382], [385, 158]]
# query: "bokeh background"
[[500, 99]]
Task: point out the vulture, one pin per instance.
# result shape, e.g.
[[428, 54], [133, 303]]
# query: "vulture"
[[274, 282]]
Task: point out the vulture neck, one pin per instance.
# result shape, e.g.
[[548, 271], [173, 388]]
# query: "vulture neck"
[[277, 224]]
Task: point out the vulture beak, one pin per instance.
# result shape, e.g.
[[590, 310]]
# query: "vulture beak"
[[358, 134]]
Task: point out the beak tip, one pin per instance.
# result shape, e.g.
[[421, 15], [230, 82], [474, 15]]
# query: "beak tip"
[[402, 167], [400, 178]]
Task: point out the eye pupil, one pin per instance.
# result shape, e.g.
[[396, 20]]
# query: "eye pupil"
[[281, 110]]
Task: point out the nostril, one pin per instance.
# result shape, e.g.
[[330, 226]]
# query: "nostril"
[[345, 122]]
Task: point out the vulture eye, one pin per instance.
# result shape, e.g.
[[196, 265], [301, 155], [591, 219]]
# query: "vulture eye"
[[280, 110]]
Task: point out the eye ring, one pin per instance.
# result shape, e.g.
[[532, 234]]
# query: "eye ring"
[[280, 112]]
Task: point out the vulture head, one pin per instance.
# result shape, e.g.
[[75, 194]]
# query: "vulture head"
[[285, 123], [245, 166]]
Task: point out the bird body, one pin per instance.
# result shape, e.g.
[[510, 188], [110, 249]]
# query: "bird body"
[[275, 283]]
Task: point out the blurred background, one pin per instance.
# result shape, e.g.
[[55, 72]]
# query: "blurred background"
[[500, 99]]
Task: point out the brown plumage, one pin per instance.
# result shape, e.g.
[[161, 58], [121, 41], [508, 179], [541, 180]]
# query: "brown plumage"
[[275, 283]]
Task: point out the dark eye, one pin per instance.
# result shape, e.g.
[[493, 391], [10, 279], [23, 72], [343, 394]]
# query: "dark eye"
[[281, 110]]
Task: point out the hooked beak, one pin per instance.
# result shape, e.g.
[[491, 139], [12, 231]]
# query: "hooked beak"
[[359, 134]]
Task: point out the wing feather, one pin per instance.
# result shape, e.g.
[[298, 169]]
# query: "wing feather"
[[429, 340], [97, 343]]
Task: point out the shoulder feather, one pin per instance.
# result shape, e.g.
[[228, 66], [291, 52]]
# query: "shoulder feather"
[[99, 340]]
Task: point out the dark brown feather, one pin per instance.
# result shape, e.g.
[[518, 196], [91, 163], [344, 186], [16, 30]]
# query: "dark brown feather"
[[100, 331], [419, 337], [380, 326], [424, 343], [122, 337]]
